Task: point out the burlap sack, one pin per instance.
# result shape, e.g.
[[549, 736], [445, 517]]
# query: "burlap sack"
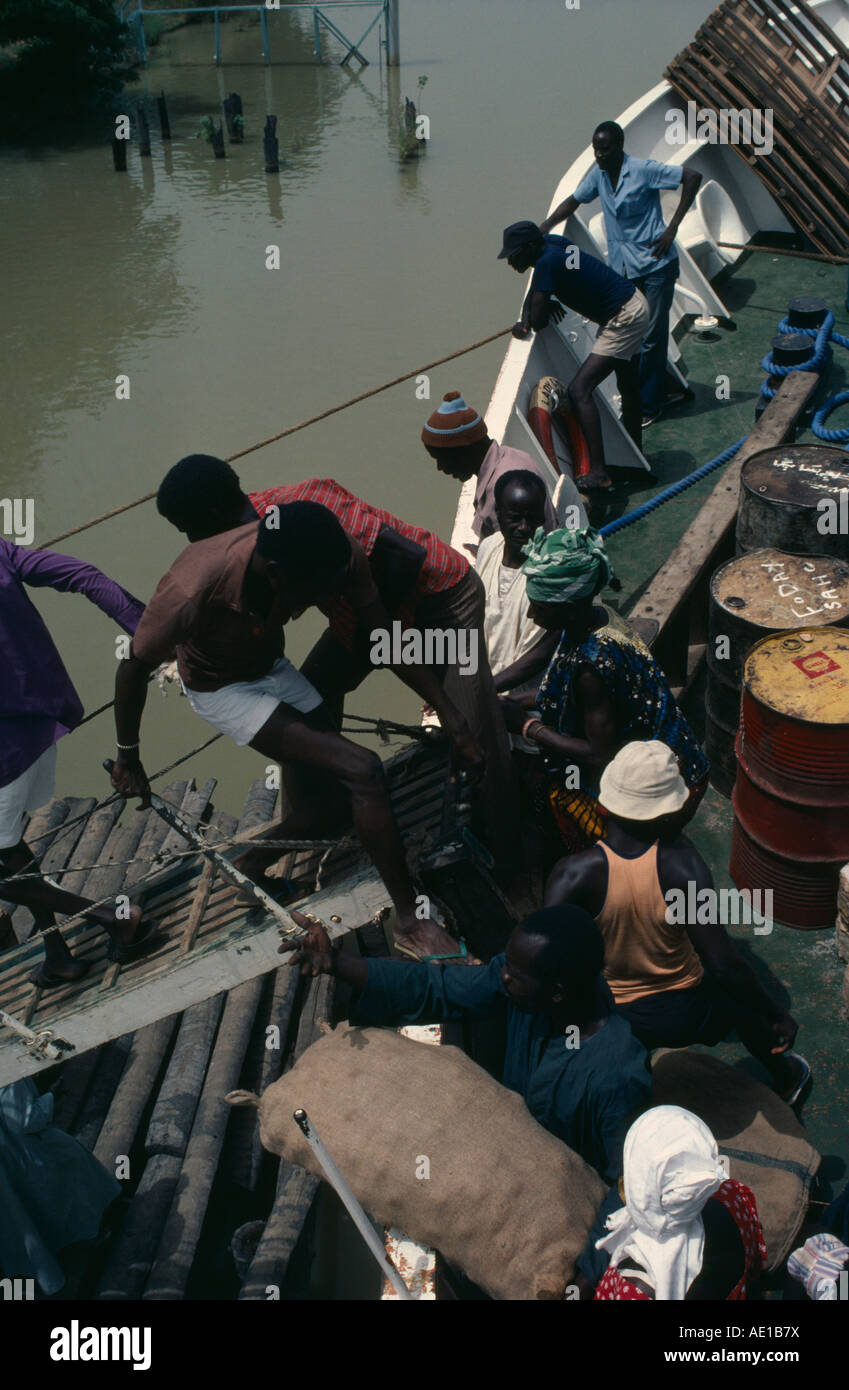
[[503, 1200], [768, 1148]]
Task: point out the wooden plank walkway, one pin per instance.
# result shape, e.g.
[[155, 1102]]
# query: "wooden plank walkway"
[[149, 1102]]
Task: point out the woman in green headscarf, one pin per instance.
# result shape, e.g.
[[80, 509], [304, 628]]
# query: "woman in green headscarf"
[[602, 689]]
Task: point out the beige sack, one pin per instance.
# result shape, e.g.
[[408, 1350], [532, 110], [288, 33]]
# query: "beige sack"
[[504, 1200], [768, 1148]]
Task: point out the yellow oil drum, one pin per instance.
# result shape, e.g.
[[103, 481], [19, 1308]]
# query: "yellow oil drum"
[[791, 798], [752, 596]]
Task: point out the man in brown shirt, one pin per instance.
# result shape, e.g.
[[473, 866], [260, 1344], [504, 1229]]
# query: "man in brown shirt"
[[218, 608], [676, 983]]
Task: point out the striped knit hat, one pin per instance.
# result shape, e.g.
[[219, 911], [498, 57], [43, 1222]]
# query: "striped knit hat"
[[453, 424]]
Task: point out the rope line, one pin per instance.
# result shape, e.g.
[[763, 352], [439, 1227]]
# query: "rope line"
[[674, 491], [219, 847], [290, 429]]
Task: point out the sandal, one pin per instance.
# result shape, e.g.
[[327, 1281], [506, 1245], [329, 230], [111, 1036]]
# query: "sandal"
[[462, 954], [796, 1094]]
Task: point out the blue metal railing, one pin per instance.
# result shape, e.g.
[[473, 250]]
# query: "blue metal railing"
[[138, 13]]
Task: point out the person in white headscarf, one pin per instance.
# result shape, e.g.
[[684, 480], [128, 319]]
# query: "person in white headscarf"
[[675, 1238]]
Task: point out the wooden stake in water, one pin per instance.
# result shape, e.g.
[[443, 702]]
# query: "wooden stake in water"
[[270, 145], [355, 1211], [144, 131], [233, 116], [164, 123]]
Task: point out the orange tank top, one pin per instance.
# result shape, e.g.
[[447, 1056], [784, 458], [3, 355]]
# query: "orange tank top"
[[643, 953]]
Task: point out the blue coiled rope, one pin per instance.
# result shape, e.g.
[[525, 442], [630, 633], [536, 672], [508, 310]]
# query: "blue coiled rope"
[[668, 493], [823, 337]]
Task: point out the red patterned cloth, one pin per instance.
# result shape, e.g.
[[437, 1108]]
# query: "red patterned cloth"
[[739, 1200], [442, 568]]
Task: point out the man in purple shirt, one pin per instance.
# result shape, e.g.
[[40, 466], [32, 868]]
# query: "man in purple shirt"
[[38, 705]]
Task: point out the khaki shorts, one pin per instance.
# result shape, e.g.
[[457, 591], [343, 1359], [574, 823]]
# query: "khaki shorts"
[[622, 335]]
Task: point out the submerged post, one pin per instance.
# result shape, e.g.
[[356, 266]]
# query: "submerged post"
[[316, 28], [263, 19], [393, 42], [164, 123], [217, 39], [119, 159], [233, 116], [270, 145], [144, 131]]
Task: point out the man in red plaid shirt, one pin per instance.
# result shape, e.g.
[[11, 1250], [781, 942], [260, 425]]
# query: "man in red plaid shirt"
[[413, 578]]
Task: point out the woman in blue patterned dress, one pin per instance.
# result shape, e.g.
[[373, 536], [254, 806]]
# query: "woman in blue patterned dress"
[[602, 689]]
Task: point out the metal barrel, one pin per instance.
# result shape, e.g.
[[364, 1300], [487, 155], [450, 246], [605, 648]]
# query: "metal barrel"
[[719, 746], [791, 798], [751, 597], [790, 498]]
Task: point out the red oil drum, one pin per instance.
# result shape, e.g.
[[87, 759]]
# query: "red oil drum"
[[791, 800]]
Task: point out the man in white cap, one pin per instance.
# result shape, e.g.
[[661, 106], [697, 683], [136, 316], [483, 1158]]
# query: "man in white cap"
[[677, 982]]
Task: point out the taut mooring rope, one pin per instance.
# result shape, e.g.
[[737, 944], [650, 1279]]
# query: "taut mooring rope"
[[290, 429]]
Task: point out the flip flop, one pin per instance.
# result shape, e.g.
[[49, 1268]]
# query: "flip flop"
[[800, 1086], [403, 950], [146, 940], [42, 977]]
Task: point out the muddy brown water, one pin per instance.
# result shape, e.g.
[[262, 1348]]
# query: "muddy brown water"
[[160, 274]]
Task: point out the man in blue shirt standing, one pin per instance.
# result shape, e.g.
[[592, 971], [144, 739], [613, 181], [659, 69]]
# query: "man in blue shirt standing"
[[589, 287], [639, 244]]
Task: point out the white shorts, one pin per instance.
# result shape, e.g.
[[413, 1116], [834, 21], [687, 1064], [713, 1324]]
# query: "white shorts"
[[32, 789], [241, 709]]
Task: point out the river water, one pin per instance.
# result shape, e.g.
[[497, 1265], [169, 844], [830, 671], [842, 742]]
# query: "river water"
[[160, 274]]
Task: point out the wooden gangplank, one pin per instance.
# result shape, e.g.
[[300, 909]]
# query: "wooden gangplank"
[[212, 942], [771, 55], [671, 614]]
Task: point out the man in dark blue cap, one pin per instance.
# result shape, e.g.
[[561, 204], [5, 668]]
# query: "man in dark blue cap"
[[589, 287]]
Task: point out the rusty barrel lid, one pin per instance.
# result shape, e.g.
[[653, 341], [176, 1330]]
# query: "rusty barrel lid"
[[797, 475], [770, 591], [795, 714], [775, 590], [782, 496]]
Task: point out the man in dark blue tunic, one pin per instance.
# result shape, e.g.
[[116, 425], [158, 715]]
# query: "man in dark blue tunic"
[[582, 1073]]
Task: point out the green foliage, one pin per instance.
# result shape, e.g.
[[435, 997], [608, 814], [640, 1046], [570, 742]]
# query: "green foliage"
[[69, 58], [207, 130]]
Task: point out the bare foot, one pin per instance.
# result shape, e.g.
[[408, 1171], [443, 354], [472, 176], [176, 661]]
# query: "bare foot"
[[46, 976], [122, 930]]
